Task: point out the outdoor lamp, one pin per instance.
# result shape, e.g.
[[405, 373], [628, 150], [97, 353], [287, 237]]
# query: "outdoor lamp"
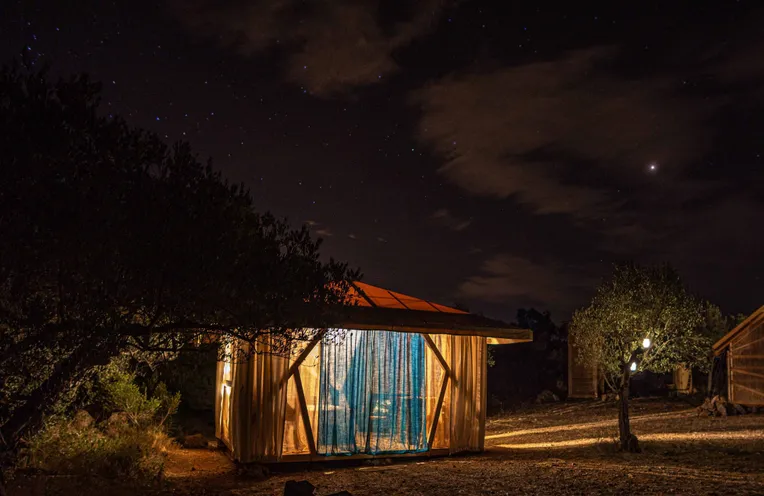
[[633, 366], [646, 343]]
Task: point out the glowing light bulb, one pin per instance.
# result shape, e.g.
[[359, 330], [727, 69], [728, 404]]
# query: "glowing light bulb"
[[646, 343], [633, 366], [227, 369]]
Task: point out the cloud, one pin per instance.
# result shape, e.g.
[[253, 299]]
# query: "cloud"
[[324, 233], [332, 44], [511, 279], [444, 217], [555, 135], [381, 239]]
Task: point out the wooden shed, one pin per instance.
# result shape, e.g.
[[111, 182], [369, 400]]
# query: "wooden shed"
[[586, 381], [583, 380], [399, 376], [743, 348]]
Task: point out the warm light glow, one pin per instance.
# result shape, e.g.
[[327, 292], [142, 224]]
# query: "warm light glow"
[[669, 436], [633, 366], [646, 343], [226, 369]]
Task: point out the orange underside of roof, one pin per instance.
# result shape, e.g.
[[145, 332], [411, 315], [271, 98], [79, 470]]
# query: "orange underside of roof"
[[366, 295]]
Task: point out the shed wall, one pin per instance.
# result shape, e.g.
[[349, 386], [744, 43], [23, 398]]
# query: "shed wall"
[[746, 366], [583, 380], [261, 419]]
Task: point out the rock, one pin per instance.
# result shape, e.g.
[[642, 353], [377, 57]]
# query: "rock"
[[301, 488], [117, 421], [547, 396], [254, 471], [740, 409], [195, 441], [81, 420]]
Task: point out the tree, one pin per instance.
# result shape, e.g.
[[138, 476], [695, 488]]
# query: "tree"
[[110, 240], [641, 318]]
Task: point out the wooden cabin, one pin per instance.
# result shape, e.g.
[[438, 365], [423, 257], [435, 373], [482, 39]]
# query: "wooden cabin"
[[743, 350], [586, 381], [399, 376]]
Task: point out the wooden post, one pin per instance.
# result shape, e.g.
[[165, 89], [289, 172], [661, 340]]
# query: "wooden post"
[[434, 427], [440, 358], [302, 357], [304, 412]]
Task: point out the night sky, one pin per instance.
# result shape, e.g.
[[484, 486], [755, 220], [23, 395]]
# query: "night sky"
[[498, 154]]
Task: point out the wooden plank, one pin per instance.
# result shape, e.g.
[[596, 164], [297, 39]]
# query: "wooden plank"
[[749, 343], [483, 395], [440, 358], [571, 393], [741, 370], [750, 390], [730, 380], [436, 418], [302, 357], [304, 412], [361, 456], [432, 327], [751, 327], [750, 356]]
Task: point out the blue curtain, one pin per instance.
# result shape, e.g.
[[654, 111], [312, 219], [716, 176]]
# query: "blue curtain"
[[372, 397]]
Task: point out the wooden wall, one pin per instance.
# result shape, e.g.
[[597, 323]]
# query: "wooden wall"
[[583, 380], [745, 366]]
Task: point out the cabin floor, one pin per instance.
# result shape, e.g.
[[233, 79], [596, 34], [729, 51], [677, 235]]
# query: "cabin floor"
[[555, 449]]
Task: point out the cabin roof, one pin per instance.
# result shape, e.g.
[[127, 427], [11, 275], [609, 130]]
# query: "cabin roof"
[[755, 318], [374, 308]]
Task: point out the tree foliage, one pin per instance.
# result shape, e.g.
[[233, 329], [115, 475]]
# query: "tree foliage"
[[637, 303], [634, 305], [111, 240]]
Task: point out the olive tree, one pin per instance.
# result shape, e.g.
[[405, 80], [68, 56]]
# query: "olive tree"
[[111, 240], [640, 319]]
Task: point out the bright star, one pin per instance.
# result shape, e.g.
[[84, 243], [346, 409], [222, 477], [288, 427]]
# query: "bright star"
[[652, 167]]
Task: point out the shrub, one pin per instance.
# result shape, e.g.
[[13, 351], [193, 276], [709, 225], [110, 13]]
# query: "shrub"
[[131, 444], [123, 395], [134, 453]]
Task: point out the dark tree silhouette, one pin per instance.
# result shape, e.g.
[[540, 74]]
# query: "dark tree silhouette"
[[109, 239]]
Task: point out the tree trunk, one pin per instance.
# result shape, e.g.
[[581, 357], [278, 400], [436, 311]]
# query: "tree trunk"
[[628, 441]]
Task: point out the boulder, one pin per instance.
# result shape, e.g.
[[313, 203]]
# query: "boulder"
[[740, 409], [547, 396], [81, 420], [116, 422], [299, 488], [195, 441]]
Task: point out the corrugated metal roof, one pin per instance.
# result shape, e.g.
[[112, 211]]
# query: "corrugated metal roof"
[[366, 295]]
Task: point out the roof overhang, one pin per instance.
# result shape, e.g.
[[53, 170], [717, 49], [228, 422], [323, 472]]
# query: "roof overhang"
[[754, 319], [457, 324]]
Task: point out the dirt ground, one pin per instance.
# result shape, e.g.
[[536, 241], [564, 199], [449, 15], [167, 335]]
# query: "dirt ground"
[[560, 449]]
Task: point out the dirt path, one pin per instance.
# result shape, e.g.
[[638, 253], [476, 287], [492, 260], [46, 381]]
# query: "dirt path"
[[552, 450], [565, 449]]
